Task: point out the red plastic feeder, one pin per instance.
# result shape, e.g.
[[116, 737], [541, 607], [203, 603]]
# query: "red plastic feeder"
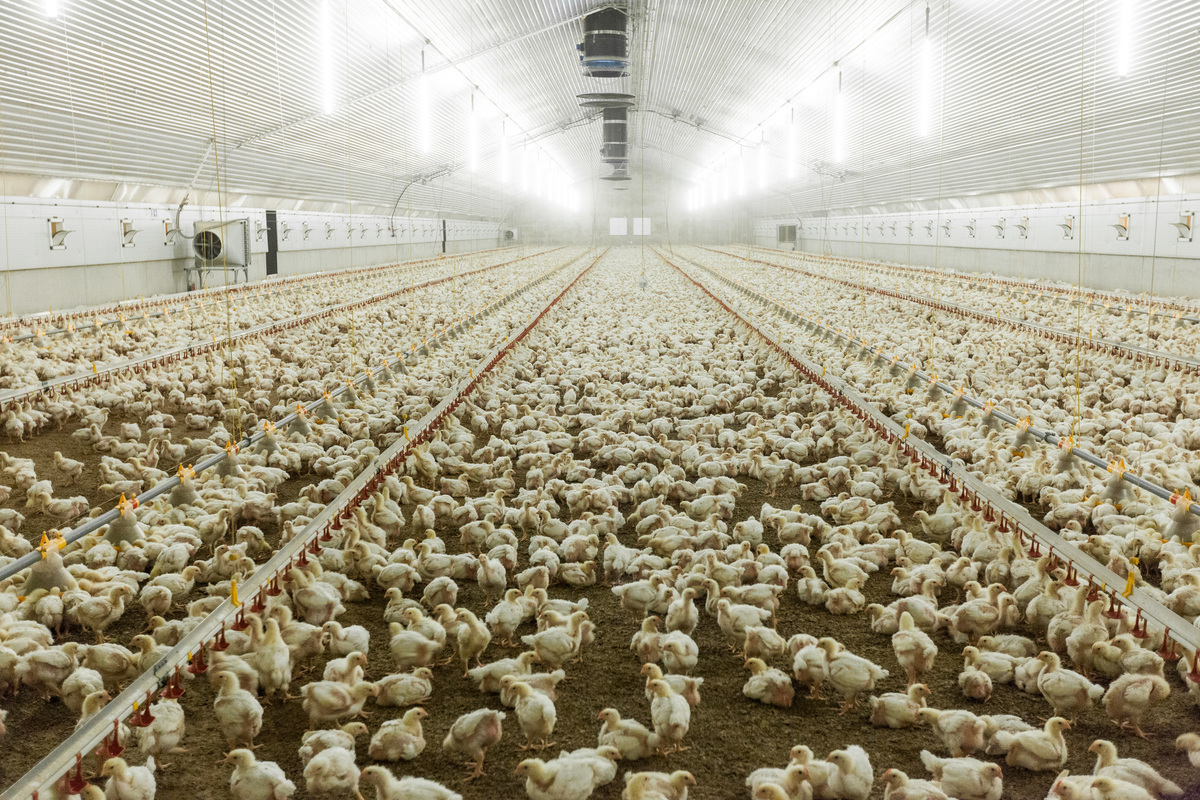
[[173, 689], [112, 746], [198, 666], [141, 717], [76, 783], [1114, 607], [1167, 651], [219, 644]]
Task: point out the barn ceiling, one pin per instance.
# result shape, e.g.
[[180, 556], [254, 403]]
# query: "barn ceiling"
[[327, 100]]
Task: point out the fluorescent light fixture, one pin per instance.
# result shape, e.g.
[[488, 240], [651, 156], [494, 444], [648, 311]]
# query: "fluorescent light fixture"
[[792, 144], [504, 151], [1125, 9], [326, 54], [925, 84], [472, 138], [424, 124], [761, 158], [837, 128]]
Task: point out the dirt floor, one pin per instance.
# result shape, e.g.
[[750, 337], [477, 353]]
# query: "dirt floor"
[[730, 735]]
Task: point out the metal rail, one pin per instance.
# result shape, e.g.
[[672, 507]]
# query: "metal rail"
[[274, 285], [1049, 437], [1010, 517], [1040, 290], [1138, 355], [163, 487], [82, 380], [265, 581]]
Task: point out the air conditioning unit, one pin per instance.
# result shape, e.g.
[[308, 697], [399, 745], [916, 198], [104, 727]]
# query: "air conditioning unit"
[[510, 234], [221, 244]]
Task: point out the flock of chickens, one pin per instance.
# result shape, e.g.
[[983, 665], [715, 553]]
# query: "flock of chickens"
[[612, 449]]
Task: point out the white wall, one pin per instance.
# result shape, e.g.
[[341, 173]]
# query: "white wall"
[[94, 268], [1154, 256]]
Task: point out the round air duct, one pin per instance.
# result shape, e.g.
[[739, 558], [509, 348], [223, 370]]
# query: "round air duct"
[[604, 52], [616, 136]]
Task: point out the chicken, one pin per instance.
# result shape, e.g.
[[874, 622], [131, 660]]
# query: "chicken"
[[1191, 743], [271, 659], [238, 711], [544, 682], [1067, 691], [536, 713], [671, 715], [965, 778], [1106, 788], [896, 709], [898, 786], [975, 683], [647, 642], [328, 701], [1002, 723], [78, 685], [257, 780], [680, 653], [1037, 750], [689, 688], [1130, 696], [71, 468], [346, 640], [852, 776], [962, 732], [387, 787], [332, 771], [851, 675], [770, 783], [768, 684], [914, 648], [128, 783], [164, 734], [410, 648], [313, 742], [682, 614], [633, 740], [555, 646], [1090, 631], [399, 738], [472, 639], [810, 666], [348, 670], [565, 778], [472, 734], [506, 616], [762, 642], [1130, 770], [98, 613], [657, 785], [405, 688]]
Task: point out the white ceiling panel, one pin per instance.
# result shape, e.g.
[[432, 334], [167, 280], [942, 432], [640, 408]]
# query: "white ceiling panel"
[[166, 94]]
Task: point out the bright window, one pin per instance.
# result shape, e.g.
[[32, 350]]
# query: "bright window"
[[617, 226]]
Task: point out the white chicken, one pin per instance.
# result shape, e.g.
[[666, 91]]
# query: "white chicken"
[[399, 738], [965, 778], [257, 780]]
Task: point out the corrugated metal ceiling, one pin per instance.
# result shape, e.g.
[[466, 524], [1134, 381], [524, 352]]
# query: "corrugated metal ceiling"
[[135, 91]]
